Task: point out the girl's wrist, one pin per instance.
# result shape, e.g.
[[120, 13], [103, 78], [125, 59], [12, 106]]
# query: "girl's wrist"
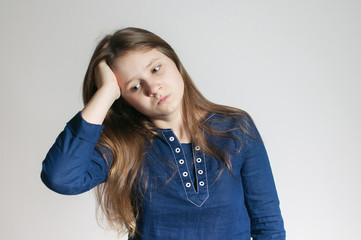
[[110, 91]]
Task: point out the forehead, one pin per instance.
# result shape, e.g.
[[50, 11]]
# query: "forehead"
[[139, 56], [136, 62]]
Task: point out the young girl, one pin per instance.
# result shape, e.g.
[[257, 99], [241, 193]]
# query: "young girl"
[[167, 163]]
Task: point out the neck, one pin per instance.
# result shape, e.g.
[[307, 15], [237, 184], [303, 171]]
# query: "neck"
[[176, 124]]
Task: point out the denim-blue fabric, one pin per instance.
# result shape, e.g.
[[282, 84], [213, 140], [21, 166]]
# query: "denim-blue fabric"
[[187, 196]]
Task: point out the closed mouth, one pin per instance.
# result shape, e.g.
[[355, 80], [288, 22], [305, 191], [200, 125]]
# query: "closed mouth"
[[162, 100]]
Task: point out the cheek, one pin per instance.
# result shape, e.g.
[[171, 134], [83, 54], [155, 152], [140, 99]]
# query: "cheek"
[[177, 80], [136, 101], [180, 84]]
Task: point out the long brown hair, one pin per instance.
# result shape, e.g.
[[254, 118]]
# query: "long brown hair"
[[127, 131]]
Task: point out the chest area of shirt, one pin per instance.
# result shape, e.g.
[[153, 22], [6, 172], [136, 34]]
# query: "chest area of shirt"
[[183, 172]]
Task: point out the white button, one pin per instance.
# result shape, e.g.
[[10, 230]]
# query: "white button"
[[199, 160], [177, 150], [188, 184], [171, 139], [181, 161], [185, 174], [197, 148], [200, 171], [201, 183]]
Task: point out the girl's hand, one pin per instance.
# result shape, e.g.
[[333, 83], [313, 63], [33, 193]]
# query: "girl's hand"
[[106, 79], [108, 91]]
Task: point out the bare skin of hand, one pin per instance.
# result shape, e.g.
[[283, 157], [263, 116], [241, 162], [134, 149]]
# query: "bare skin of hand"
[[108, 91], [105, 77]]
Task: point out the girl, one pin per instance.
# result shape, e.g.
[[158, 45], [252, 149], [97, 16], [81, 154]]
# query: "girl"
[[167, 163]]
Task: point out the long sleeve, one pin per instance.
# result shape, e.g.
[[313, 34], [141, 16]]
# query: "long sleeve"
[[260, 192], [73, 164]]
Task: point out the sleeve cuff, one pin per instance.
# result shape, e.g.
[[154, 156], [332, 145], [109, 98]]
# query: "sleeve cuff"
[[83, 129]]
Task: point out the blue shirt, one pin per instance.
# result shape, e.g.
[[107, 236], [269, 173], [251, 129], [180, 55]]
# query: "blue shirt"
[[186, 197]]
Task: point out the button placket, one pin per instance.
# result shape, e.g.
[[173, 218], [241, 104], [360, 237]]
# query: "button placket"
[[200, 168], [201, 195], [179, 158]]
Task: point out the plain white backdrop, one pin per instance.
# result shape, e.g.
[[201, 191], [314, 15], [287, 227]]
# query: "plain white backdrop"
[[295, 66]]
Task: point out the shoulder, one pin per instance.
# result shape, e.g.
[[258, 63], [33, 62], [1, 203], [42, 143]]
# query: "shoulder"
[[238, 125], [224, 121]]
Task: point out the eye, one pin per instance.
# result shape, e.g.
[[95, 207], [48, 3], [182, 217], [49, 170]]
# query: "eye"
[[156, 69], [135, 88]]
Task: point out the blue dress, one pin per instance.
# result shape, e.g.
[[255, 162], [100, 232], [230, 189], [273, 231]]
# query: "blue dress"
[[187, 197]]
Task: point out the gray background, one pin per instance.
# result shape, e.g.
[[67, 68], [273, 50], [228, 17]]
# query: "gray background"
[[295, 66]]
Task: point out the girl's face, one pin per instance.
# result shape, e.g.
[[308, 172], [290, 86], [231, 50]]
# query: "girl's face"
[[151, 83]]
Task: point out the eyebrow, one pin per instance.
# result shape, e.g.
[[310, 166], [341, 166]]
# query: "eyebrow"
[[151, 62]]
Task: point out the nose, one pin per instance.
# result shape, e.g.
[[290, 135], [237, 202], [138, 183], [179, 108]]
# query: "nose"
[[153, 88]]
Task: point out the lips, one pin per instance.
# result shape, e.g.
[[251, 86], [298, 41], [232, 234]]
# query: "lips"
[[163, 100]]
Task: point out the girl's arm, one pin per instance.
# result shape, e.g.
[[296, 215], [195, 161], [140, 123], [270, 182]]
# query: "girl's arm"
[[260, 191], [108, 91], [74, 164]]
